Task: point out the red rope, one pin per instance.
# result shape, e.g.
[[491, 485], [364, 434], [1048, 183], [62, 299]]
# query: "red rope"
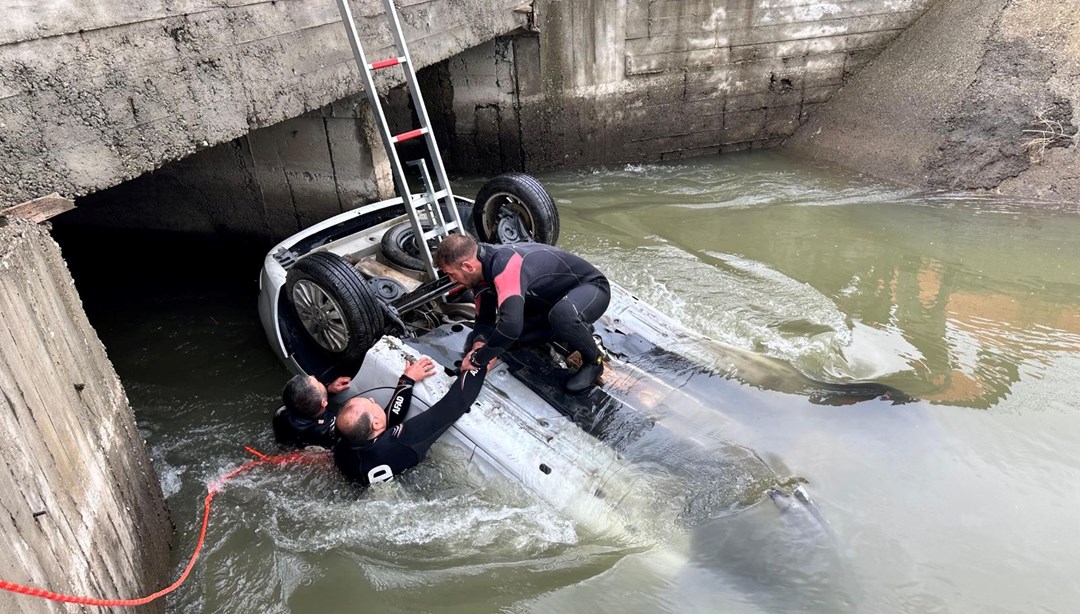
[[214, 487]]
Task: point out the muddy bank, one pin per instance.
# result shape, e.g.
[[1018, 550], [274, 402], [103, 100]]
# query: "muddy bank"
[[978, 94]]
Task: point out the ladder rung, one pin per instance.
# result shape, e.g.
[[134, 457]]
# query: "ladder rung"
[[440, 231], [386, 63], [422, 200], [404, 136]]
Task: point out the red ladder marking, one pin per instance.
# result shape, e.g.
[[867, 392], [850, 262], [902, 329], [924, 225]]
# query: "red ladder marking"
[[385, 63], [412, 134]]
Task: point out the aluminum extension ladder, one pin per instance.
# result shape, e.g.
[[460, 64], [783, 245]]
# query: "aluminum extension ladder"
[[423, 209]]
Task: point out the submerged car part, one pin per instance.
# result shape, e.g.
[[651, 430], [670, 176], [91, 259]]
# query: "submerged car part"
[[387, 289], [399, 247], [614, 468]]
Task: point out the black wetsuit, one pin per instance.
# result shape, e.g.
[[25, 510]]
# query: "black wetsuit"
[[535, 292], [404, 445], [292, 429]]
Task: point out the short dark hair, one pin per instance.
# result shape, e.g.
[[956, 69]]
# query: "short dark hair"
[[301, 397], [454, 249]]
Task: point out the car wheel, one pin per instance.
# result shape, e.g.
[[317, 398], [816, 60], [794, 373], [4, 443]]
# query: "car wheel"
[[514, 207], [399, 245], [400, 248], [335, 305]]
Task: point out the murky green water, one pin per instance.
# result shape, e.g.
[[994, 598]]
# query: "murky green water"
[[962, 502]]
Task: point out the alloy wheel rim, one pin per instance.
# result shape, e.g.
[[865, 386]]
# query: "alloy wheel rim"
[[321, 316]]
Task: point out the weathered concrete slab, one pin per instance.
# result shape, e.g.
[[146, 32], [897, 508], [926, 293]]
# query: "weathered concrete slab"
[[92, 94], [610, 81], [82, 506], [978, 94]]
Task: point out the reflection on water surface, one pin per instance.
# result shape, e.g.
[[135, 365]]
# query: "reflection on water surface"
[[947, 297]]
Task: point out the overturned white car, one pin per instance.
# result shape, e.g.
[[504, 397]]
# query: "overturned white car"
[[351, 292], [360, 290]]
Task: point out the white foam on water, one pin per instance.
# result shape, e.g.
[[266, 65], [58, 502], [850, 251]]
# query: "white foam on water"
[[171, 477], [429, 513], [749, 305]]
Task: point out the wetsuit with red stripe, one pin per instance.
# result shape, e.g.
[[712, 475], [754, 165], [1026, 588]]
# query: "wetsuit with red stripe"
[[535, 292]]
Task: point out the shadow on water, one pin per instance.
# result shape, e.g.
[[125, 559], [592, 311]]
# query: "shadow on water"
[[101, 258], [784, 560]]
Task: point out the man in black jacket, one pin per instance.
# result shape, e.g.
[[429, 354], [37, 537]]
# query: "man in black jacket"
[[375, 445], [309, 415], [528, 292]]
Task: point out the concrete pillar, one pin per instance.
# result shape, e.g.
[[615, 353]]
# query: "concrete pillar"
[[315, 166], [476, 118], [82, 508]]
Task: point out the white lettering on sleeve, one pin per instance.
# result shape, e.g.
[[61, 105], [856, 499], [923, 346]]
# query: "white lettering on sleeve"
[[381, 473]]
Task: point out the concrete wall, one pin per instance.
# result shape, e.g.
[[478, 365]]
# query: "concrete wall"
[[265, 185], [978, 94], [593, 81], [98, 92], [474, 105], [605, 81], [82, 508]]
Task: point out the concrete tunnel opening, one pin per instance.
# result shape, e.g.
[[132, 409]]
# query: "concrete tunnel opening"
[[274, 181], [210, 217]]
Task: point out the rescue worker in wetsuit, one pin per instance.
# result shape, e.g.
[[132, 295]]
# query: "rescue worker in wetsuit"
[[525, 293], [309, 415], [375, 445]]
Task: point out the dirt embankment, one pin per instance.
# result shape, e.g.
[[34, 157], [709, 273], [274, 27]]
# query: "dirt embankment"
[[978, 94]]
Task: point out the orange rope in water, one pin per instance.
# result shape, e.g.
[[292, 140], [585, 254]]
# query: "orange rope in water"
[[214, 487]]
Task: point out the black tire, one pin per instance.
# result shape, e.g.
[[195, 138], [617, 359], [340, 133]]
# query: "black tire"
[[399, 245], [335, 306], [400, 248], [514, 207]]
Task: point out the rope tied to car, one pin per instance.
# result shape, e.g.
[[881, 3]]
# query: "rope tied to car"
[[214, 487]]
